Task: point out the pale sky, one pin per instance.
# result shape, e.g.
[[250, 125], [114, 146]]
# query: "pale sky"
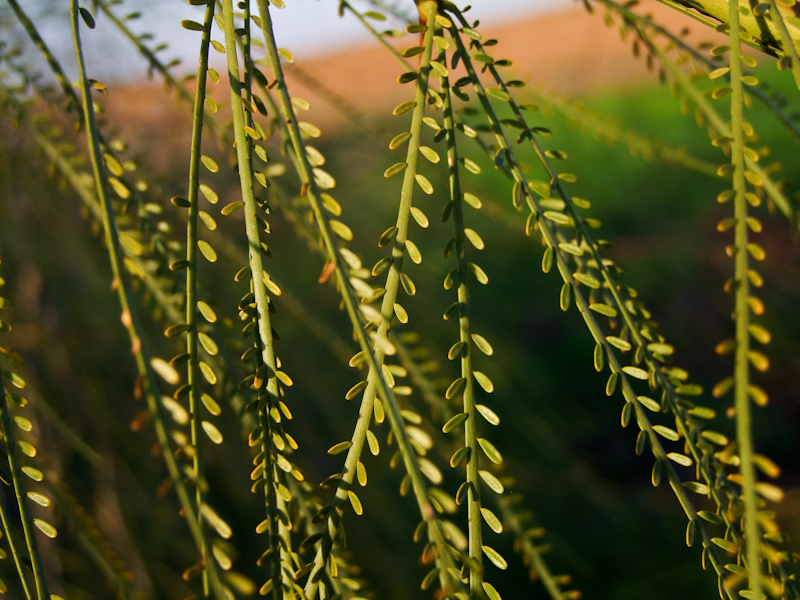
[[305, 27]]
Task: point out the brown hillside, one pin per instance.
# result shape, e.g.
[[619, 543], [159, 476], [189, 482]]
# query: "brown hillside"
[[569, 51]]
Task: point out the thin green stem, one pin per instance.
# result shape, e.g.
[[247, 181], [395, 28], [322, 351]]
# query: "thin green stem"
[[192, 344], [548, 232], [375, 381], [268, 358], [16, 552], [723, 130], [130, 317], [22, 502], [468, 347], [741, 374]]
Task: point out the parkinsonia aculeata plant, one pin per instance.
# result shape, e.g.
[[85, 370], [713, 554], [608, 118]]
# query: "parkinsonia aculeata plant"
[[463, 101]]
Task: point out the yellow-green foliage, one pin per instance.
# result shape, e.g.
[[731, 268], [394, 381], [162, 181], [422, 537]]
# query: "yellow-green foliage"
[[165, 512]]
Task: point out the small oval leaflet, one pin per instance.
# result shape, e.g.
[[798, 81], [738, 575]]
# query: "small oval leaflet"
[[341, 230], [208, 373], [209, 345], [649, 403], [547, 260], [599, 357], [401, 313], [33, 473], [429, 153], [455, 388], [482, 345], [46, 528], [491, 452], [618, 343], [424, 184], [39, 498], [459, 456], [207, 251], [408, 284], [474, 238], [399, 140], [491, 520], [603, 309], [480, 275], [696, 487], [23, 423], [483, 381], [666, 432], [455, 422], [404, 107], [491, 593], [231, 208], [565, 296], [212, 432], [587, 280], [211, 405], [355, 502], [496, 558], [680, 459], [207, 312], [488, 414], [207, 220], [611, 384], [165, 370], [492, 481], [413, 252], [472, 200], [557, 217], [339, 448], [420, 217], [210, 194], [627, 410], [372, 442], [407, 78], [209, 163], [394, 169], [89, 20], [361, 474], [635, 372]]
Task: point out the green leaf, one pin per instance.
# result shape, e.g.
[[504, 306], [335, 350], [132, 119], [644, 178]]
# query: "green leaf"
[[395, 169], [635, 372], [455, 388], [619, 343], [493, 482], [667, 433], [491, 520], [87, 18], [212, 432], [491, 452], [488, 414], [399, 140], [210, 163], [419, 217], [207, 251], [355, 502], [424, 184], [340, 447], [483, 381], [496, 558], [454, 422], [46, 528], [491, 592]]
